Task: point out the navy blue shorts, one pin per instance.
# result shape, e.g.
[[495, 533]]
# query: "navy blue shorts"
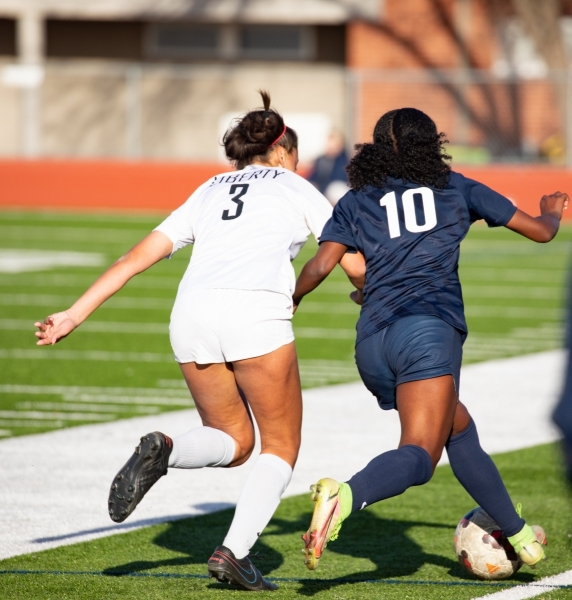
[[410, 349]]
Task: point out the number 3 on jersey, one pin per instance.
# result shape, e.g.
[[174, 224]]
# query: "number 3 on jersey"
[[226, 216], [408, 201]]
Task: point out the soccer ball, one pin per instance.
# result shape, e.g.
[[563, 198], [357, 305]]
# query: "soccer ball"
[[482, 547]]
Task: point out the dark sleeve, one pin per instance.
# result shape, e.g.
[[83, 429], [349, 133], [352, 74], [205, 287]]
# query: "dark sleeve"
[[340, 226], [483, 202]]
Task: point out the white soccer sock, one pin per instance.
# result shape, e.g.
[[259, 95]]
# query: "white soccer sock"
[[259, 498], [202, 447]]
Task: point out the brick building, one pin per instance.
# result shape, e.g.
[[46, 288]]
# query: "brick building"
[[137, 78]]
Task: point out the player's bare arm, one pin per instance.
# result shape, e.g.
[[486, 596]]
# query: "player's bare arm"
[[146, 253], [318, 268], [354, 266], [541, 229]]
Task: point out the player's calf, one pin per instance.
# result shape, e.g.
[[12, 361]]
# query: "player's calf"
[[145, 467]]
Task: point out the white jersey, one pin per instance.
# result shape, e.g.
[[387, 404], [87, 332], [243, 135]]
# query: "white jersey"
[[247, 226]]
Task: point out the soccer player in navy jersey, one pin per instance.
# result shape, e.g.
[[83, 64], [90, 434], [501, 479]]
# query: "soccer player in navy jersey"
[[407, 214]]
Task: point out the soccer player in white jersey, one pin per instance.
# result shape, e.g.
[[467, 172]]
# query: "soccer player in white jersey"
[[230, 329]]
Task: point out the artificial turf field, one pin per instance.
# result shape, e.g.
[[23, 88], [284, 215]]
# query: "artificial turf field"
[[119, 364], [399, 548]]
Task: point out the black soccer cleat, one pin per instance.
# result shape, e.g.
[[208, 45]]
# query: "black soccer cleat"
[[147, 465], [225, 567]]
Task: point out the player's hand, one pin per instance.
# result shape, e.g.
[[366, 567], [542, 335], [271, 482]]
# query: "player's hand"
[[357, 297], [54, 328], [554, 204]]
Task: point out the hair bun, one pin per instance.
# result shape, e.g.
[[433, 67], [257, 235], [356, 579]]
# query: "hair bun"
[[254, 134]]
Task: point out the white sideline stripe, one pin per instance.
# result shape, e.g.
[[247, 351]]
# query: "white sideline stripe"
[[542, 586], [60, 416], [81, 460], [66, 405]]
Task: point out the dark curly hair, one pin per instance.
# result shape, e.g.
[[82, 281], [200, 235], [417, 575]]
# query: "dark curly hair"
[[406, 145], [253, 136]]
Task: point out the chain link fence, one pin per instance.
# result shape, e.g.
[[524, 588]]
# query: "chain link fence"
[[106, 110], [487, 119]]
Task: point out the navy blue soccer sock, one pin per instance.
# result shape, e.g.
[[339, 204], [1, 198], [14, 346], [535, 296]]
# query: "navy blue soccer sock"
[[390, 474], [478, 474]]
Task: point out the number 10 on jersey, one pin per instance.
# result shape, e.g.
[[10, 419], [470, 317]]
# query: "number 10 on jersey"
[[408, 202]]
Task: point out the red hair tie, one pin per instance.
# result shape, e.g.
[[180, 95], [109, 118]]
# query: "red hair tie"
[[278, 138]]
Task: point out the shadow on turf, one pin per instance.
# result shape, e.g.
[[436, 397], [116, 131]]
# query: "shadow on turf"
[[384, 542]]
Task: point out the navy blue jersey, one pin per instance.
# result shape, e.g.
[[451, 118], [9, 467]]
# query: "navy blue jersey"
[[410, 237]]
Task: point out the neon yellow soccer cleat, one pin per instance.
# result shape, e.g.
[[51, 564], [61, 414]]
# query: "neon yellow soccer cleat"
[[333, 505], [528, 543]]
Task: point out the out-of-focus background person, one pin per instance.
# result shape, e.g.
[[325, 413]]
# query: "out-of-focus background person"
[[562, 415], [328, 172]]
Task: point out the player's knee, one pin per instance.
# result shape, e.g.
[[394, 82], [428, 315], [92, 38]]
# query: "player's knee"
[[241, 457], [244, 446]]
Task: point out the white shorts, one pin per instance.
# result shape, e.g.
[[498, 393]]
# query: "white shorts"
[[224, 325]]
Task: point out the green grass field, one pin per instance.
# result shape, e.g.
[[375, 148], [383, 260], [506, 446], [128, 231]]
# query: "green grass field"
[[119, 363], [400, 548]]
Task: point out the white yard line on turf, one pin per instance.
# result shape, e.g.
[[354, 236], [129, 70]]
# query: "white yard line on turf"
[[542, 586], [119, 302], [55, 485], [25, 260], [163, 328], [97, 326], [93, 355]]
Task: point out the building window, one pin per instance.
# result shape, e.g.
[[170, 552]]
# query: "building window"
[[231, 42], [276, 42], [183, 41], [7, 37]]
